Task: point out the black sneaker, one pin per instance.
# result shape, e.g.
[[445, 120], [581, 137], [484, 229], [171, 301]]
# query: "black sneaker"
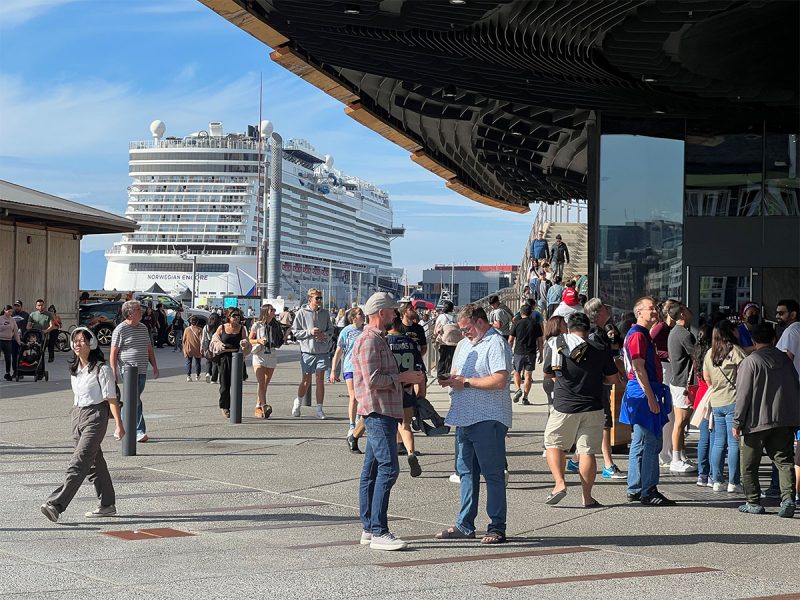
[[635, 497], [413, 465], [401, 450], [517, 396], [352, 443], [526, 402], [51, 512], [7, 377], [656, 498]]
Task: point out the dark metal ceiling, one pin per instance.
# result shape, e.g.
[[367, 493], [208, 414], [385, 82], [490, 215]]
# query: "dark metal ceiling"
[[497, 94]]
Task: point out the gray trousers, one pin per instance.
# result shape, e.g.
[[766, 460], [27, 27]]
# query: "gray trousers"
[[89, 427], [779, 445]]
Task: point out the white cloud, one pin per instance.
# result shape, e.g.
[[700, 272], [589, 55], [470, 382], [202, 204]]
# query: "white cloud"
[[16, 12]]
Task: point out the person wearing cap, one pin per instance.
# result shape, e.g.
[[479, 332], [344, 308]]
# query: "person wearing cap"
[[481, 410], [21, 317], [378, 386], [501, 316], [570, 303], [578, 417], [751, 316], [94, 400], [559, 254]]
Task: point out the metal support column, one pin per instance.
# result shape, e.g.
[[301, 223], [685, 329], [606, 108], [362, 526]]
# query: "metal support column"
[[130, 414], [237, 372]]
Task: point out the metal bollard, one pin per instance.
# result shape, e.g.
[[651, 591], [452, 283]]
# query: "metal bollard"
[[237, 372], [130, 391]]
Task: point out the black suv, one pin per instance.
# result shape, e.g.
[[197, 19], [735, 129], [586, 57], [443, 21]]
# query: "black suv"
[[101, 318]]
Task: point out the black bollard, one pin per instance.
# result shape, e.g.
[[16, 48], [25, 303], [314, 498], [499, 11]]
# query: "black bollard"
[[130, 390], [237, 372]]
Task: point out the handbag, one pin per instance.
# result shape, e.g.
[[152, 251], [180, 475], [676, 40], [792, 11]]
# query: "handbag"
[[691, 388], [215, 349]]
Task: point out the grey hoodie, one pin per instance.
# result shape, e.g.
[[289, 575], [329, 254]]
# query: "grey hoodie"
[[767, 392], [304, 321]]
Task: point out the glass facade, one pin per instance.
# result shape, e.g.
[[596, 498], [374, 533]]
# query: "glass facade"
[[640, 241]]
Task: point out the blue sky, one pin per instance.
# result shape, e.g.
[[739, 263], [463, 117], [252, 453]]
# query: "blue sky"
[[79, 79]]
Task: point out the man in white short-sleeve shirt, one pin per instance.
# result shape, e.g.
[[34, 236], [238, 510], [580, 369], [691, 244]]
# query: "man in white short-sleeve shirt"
[[787, 312], [481, 411]]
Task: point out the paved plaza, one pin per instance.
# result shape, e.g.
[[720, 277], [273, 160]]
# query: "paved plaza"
[[268, 509]]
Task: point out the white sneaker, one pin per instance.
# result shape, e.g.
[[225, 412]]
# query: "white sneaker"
[[296, 408], [387, 541], [682, 467], [735, 488], [197, 377], [101, 511], [366, 537], [718, 486], [454, 478], [208, 377], [188, 378], [320, 412]]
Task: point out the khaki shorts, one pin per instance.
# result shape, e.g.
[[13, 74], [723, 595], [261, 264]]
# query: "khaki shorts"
[[584, 429]]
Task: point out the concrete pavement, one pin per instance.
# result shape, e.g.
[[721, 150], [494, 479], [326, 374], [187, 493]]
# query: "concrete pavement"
[[269, 509]]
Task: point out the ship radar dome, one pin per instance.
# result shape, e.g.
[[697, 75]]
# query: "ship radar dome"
[[266, 128], [328, 161], [157, 128]]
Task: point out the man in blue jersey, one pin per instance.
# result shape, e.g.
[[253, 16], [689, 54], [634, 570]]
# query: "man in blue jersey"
[[646, 406], [539, 247]]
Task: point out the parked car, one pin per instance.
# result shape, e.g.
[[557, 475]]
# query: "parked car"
[[101, 318], [170, 304]]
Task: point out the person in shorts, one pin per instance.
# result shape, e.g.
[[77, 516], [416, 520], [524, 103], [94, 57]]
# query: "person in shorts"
[[526, 339], [680, 345], [266, 336], [344, 353], [313, 328], [580, 367]]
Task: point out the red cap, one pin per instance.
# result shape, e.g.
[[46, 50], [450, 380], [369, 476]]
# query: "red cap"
[[570, 297]]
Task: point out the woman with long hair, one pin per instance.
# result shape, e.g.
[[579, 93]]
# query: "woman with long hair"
[[192, 343], [233, 336], [94, 399], [149, 320], [344, 353], [705, 443], [719, 371], [212, 370], [266, 336]]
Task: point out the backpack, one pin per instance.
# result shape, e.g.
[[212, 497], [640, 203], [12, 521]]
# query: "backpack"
[[451, 335]]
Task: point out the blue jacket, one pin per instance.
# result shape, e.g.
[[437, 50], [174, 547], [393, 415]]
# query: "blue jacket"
[[540, 249]]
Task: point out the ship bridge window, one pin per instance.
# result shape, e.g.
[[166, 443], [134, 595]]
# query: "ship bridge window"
[[179, 267]]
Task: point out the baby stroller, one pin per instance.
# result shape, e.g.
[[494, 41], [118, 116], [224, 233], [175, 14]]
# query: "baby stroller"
[[31, 355]]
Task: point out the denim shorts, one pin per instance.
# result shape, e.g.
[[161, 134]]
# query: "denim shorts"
[[311, 363]]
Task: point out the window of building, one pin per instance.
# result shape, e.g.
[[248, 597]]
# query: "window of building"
[[477, 290]]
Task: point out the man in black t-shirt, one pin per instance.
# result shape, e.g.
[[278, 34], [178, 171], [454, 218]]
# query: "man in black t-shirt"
[[577, 416], [527, 339], [412, 328]]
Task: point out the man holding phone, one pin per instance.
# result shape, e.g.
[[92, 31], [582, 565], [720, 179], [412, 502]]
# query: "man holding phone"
[[481, 410]]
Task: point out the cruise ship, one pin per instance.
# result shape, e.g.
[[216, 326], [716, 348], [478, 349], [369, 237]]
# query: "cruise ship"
[[199, 204]]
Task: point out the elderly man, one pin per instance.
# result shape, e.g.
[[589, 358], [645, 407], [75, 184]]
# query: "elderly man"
[[766, 416], [313, 328], [379, 388], [132, 346], [481, 409]]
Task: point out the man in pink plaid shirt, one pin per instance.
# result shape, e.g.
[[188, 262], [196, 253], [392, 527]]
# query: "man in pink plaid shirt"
[[379, 391]]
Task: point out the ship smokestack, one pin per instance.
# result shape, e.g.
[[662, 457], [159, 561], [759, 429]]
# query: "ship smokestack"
[[215, 129]]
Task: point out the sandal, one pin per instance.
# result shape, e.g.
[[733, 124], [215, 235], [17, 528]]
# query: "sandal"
[[556, 497], [454, 533], [494, 537], [594, 504]]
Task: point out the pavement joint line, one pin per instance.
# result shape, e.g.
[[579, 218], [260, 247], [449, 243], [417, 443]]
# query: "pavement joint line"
[[600, 577], [326, 502], [481, 557], [200, 511], [588, 513]]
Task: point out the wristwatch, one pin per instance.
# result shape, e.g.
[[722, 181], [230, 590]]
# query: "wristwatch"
[[466, 384]]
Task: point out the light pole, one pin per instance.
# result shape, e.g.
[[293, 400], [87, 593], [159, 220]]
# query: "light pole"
[[193, 258]]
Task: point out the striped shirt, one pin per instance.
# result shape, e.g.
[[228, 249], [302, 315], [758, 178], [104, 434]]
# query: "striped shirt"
[[376, 378], [488, 355], [133, 343]]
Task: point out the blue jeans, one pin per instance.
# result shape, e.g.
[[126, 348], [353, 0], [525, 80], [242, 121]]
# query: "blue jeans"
[[643, 461], [723, 424], [141, 426], [379, 473], [704, 446], [178, 341], [482, 450]]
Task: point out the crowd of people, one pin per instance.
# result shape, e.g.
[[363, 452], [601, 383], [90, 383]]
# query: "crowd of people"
[[736, 383]]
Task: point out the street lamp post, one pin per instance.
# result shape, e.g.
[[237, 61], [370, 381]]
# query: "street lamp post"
[[193, 258]]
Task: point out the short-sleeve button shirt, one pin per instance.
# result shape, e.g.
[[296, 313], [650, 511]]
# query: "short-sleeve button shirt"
[[489, 355], [93, 387]]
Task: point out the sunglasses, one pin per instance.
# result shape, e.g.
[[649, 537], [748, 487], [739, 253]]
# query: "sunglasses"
[[465, 330], [317, 297]]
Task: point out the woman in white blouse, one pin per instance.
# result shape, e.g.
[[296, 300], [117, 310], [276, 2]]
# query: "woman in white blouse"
[[95, 398]]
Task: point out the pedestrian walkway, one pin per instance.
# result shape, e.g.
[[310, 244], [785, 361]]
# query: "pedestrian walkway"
[[268, 509]]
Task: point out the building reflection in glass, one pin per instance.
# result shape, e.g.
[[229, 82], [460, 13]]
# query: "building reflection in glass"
[[641, 219]]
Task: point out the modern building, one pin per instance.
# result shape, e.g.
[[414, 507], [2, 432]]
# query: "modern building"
[[677, 121], [199, 201], [465, 283], [40, 242]]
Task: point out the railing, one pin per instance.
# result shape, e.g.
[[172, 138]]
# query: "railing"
[[508, 296], [198, 142]]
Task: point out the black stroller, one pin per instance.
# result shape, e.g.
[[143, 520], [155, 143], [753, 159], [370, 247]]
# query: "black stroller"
[[30, 360]]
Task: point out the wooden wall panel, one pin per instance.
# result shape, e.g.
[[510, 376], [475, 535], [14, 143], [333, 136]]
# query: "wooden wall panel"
[[31, 275], [63, 275], [7, 272]]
